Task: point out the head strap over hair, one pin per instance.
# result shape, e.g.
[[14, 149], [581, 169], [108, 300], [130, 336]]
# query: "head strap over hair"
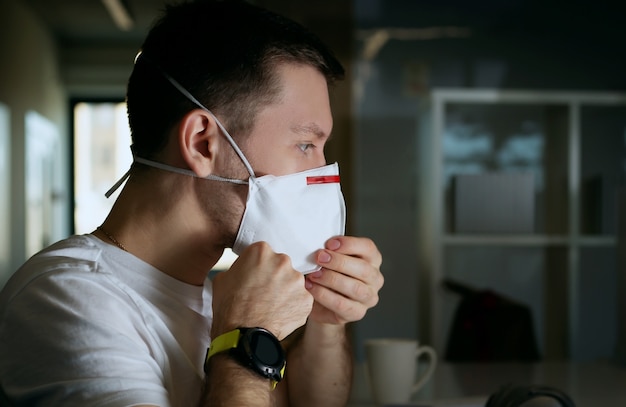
[[189, 96], [166, 167]]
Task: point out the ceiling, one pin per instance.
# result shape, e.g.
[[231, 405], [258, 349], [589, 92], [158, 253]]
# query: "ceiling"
[[96, 56], [77, 22], [82, 22]]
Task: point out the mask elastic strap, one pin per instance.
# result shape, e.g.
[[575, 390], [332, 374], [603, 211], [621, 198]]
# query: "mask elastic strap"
[[165, 167], [118, 184], [169, 168], [182, 171], [189, 96]]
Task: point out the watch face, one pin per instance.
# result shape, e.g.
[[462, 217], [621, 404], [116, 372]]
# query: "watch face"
[[264, 348]]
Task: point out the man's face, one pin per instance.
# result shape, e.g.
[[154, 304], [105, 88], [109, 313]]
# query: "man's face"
[[289, 136]]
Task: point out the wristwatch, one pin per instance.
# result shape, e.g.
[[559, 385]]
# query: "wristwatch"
[[255, 348]]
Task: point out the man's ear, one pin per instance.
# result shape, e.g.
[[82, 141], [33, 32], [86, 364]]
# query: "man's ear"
[[197, 138]]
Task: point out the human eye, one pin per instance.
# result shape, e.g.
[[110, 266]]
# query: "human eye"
[[305, 146]]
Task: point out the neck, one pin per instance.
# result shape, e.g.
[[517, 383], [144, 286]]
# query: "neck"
[[167, 233]]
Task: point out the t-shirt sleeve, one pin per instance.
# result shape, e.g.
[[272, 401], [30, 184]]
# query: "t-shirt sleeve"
[[76, 339]]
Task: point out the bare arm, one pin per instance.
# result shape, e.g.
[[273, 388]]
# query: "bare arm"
[[319, 371], [261, 289], [228, 384], [320, 367]]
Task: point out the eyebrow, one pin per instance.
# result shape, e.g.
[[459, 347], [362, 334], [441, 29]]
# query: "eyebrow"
[[310, 128]]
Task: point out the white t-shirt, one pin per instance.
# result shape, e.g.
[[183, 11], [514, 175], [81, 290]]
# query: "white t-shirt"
[[84, 323]]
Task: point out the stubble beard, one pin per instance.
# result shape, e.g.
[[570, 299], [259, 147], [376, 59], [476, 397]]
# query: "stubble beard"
[[225, 202]]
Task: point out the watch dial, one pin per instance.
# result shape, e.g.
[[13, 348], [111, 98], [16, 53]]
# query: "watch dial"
[[265, 350]]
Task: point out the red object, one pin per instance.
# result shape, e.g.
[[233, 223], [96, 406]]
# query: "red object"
[[322, 179]]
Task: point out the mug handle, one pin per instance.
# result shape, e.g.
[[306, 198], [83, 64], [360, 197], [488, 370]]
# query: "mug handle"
[[432, 363]]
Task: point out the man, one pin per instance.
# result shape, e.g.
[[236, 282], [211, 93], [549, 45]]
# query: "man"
[[227, 104]]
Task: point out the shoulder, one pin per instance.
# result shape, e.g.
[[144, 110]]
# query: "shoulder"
[[69, 288], [63, 318], [73, 252], [72, 279], [71, 256]]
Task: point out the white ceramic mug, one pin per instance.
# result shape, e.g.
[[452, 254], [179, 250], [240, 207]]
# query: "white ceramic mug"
[[392, 366]]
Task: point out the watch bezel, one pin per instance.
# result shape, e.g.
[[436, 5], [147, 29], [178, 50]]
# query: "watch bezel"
[[247, 355]]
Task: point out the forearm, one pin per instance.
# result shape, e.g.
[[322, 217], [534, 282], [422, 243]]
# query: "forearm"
[[229, 384], [319, 367]]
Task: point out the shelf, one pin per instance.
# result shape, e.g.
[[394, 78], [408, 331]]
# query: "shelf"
[[572, 143], [528, 240]]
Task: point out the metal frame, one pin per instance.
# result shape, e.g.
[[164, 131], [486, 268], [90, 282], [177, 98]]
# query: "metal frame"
[[431, 215]]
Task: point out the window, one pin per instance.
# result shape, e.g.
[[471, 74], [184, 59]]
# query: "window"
[[101, 156]]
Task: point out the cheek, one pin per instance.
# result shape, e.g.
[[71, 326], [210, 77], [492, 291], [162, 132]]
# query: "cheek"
[[278, 161], [222, 205], [230, 165], [321, 159]]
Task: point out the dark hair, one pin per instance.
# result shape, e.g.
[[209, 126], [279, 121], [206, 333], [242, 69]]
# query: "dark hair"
[[224, 53]]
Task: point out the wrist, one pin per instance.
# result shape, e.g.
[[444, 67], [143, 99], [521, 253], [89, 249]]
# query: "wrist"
[[324, 333], [257, 349], [221, 326]]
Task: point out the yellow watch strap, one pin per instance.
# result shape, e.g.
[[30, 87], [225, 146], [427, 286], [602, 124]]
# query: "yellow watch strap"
[[227, 341], [273, 383], [224, 342]]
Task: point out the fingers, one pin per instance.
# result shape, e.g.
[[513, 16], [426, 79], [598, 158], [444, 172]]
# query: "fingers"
[[356, 257], [333, 307], [348, 284], [360, 247], [347, 297]]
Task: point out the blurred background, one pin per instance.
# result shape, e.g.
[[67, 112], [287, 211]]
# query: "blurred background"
[[482, 144]]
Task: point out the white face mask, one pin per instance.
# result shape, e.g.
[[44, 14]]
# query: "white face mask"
[[295, 213]]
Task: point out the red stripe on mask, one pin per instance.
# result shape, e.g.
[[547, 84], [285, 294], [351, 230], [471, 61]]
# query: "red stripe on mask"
[[322, 179]]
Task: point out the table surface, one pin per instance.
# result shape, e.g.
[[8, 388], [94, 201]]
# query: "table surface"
[[470, 384]]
